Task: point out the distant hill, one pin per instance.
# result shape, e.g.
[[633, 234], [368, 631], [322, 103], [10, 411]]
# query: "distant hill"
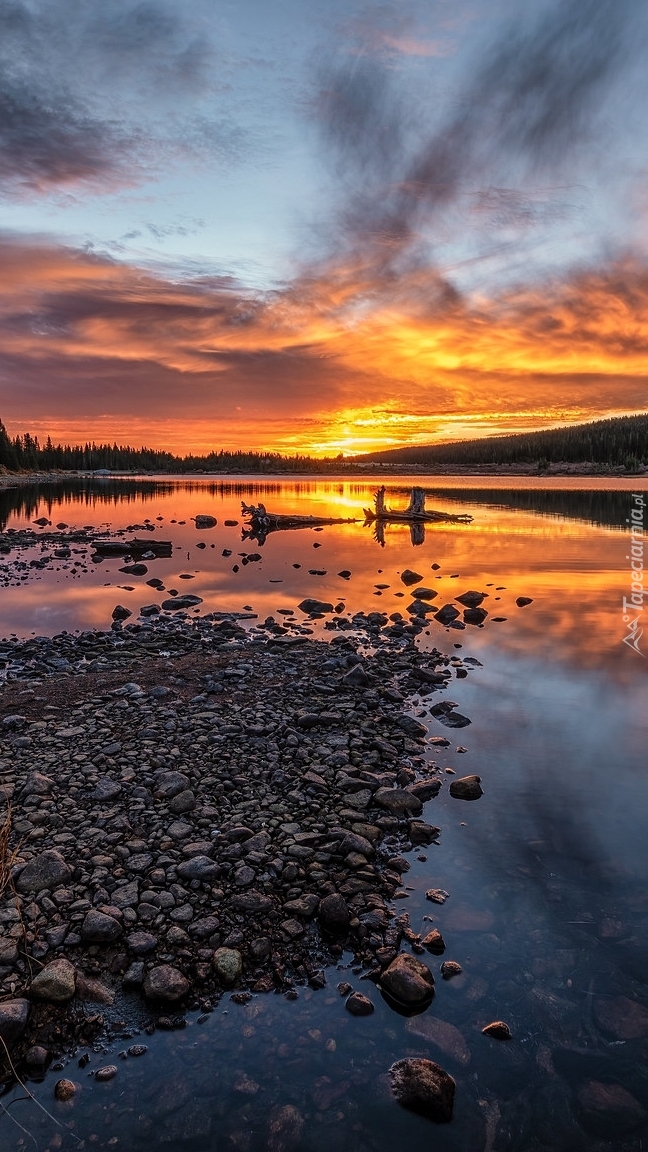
[[622, 440]]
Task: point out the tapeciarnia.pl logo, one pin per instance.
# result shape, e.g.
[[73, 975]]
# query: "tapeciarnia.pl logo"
[[633, 607]]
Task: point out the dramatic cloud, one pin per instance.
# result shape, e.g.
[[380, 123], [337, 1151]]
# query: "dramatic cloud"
[[312, 366], [103, 94]]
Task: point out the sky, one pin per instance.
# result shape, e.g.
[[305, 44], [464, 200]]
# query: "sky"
[[321, 227]]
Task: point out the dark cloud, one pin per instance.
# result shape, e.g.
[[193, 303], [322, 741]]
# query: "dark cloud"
[[102, 94], [532, 106]]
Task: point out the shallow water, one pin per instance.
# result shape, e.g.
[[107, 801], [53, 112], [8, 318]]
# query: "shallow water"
[[548, 912]]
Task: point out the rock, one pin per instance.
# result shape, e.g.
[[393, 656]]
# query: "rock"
[[609, 1109], [180, 603], [412, 727], [97, 928], [37, 785], [169, 784], [305, 905], [121, 613], [333, 914], [134, 975], [424, 1087], [357, 675], [141, 943], [134, 569], [434, 942], [498, 1030], [228, 965], [466, 788], [150, 610], [471, 599], [408, 980], [425, 593], [56, 982], [198, 868], [204, 521], [137, 1049], [450, 968], [183, 802], [93, 990], [37, 1056], [106, 789], [10, 723], [310, 605], [126, 896], [409, 577], [64, 1089], [422, 833], [437, 895], [398, 801], [165, 983], [108, 1072], [446, 1037], [620, 1017], [13, 1019], [47, 870], [448, 718], [474, 616], [426, 789], [446, 614], [359, 1005], [285, 1127], [522, 601]]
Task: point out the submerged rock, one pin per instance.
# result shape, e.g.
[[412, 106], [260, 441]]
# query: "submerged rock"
[[424, 1087], [408, 980]]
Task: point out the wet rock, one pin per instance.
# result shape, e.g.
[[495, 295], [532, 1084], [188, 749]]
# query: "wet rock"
[[359, 1005], [285, 1128], [609, 1109], [108, 1072], [333, 914], [13, 1019], [408, 980], [471, 599], [64, 1090], [228, 965], [310, 605], [121, 613], [446, 614], [165, 983], [398, 801], [466, 788], [498, 1030], [180, 603], [97, 928], [522, 601], [37, 1057], [446, 1037], [422, 833], [473, 616], [409, 577], [434, 942], [56, 982], [204, 521], [450, 968], [412, 727], [620, 1017], [424, 1087], [303, 906], [47, 870], [437, 895], [134, 569]]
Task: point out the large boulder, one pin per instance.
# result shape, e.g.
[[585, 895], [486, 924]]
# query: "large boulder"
[[408, 980], [13, 1019], [466, 788], [56, 982], [424, 1087], [47, 870]]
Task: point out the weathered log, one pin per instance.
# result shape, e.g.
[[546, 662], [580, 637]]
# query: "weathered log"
[[261, 522], [415, 510]]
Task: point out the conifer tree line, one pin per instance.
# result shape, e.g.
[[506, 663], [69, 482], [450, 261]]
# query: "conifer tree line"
[[620, 441]]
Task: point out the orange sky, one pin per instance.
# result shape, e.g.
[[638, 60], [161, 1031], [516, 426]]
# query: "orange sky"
[[347, 357]]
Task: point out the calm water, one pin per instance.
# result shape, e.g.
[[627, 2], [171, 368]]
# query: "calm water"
[[548, 908]]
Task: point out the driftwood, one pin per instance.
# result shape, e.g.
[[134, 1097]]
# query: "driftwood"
[[414, 512], [132, 547], [260, 522]]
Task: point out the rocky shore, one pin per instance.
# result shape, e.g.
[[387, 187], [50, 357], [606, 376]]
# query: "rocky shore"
[[194, 809]]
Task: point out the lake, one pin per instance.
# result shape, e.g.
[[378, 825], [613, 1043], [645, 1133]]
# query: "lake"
[[548, 906]]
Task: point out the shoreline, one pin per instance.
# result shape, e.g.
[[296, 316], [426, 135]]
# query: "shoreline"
[[216, 819]]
